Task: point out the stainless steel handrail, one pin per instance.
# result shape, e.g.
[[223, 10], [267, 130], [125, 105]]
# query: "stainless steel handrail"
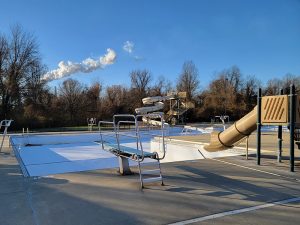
[[138, 139], [99, 126], [158, 115], [135, 119]]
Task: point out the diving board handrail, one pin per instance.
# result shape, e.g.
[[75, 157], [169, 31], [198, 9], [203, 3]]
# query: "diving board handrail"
[[133, 119], [116, 129], [162, 121], [101, 133], [137, 136]]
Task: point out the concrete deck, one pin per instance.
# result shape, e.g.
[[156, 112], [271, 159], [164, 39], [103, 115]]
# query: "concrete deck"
[[269, 142], [211, 191]]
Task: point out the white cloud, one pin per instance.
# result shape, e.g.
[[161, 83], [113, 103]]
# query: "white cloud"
[[128, 46], [86, 66], [138, 58]]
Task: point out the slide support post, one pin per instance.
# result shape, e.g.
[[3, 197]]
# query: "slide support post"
[[292, 126], [258, 138], [279, 155]]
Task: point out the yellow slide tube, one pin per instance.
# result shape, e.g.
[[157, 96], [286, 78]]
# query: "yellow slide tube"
[[240, 129]]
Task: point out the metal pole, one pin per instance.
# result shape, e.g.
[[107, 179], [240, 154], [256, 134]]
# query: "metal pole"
[[178, 109], [3, 137], [292, 126], [258, 138], [279, 155], [247, 146]]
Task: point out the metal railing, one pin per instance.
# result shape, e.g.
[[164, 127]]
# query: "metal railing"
[[162, 128], [6, 125], [117, 132]]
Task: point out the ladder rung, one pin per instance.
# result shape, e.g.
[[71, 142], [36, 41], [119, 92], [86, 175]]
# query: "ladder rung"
[[152, 179], [156, 171], [150, 163]]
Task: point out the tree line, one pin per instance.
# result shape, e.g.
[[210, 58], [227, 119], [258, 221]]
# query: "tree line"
[[30, 102]]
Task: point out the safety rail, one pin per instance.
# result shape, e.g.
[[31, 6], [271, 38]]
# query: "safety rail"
[[162, 129], [118, 133], [101, 133], [135, 156]]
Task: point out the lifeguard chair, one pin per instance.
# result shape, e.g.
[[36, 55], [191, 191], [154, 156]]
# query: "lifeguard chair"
[[91, 122]]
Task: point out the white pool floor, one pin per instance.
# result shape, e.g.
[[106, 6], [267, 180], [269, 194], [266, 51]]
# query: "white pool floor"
[[54, 154], [52, 159]]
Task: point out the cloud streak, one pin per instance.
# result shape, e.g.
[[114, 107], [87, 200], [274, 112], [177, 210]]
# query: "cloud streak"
[[128, 46], [86, 66]]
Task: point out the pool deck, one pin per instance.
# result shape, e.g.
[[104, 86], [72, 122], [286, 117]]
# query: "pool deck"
[[229, 190], [269, 142]]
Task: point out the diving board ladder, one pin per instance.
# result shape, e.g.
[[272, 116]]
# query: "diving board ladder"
[[114, 145]]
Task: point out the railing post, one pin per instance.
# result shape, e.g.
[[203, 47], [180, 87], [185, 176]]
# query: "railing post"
[[258, 138], [292, 126], [279, 155]]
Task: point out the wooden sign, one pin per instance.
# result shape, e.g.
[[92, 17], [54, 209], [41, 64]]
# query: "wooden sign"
[[274, 110]]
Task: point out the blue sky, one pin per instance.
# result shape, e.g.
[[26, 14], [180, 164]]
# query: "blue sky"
[[261, 37]]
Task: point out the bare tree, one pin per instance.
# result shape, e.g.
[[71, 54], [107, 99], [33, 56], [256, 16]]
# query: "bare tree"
[[115, 101], [161, 87], [188, 79], [225, 95], [234, 77], [140, 82], [250, 91], [37, 96], [4, 53], [221, 94], [71, 94], [273, 87], [288, 80], [92, 99], [115, 95], [19, 64]]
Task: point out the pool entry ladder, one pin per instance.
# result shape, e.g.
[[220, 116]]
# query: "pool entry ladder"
[[112, 135], [6, 125]]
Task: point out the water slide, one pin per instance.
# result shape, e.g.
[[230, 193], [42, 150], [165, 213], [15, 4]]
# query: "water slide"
[[227, 138], [156, 100], [157, 105]]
